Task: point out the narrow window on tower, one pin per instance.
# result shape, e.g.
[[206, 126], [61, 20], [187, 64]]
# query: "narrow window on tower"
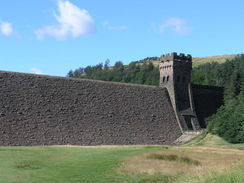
[[163, 79]]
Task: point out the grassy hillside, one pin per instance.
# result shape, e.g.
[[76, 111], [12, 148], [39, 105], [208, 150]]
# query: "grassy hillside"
[[220, 59], [204, 159], [200, 60]]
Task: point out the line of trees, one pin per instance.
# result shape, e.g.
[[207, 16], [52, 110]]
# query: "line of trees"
[[139, 73], [228, 122]]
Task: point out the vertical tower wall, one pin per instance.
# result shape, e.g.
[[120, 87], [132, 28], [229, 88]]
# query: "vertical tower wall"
[[175, 75], [167, 80]]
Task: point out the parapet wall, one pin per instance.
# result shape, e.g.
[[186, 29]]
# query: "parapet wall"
[[176, 57], [42, 110]]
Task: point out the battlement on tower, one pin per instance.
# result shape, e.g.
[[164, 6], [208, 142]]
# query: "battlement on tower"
[[176, 57]]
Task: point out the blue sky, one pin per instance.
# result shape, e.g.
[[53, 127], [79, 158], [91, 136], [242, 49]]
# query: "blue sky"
[[53, 36]]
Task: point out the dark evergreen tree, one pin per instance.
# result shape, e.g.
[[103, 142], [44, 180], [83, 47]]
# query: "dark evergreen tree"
[[70, 74]]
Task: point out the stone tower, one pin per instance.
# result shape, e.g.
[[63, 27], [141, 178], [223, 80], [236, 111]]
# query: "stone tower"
[[175, 75]]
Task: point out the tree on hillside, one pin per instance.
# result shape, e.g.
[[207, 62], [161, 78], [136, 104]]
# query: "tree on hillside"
[[229, 120]]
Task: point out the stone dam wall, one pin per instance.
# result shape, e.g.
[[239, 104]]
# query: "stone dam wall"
[[207, 100], [44, 110]]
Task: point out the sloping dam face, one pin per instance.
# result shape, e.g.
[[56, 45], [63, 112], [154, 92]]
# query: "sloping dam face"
[[43, 110]]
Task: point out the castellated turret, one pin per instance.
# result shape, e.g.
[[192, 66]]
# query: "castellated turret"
[[175, 75]]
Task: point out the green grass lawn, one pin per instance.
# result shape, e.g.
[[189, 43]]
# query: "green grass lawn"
[[217, 162], [63, 164]]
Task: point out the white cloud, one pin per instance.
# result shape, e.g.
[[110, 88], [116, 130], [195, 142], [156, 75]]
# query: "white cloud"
[[6, 28], [71, 21], [177, 25], [36, 71], [115, 28]]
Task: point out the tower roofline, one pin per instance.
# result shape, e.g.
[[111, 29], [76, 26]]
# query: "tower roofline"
[[176, 57]]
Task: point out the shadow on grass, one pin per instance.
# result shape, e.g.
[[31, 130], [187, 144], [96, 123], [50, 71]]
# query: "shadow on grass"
[[27, 165], [153, 147], [173, 157]]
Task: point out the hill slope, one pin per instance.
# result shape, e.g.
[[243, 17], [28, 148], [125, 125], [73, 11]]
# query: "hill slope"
[[220, 59], [196, 60]]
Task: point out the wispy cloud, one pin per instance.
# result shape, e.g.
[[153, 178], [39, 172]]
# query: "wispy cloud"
[[115, 28], [177, 25], [6, 28], [36, 71], [71, 21]]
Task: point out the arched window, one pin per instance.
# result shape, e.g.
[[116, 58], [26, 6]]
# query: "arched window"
[[167, 78], [183, 79], [178, 79], [163, 79]]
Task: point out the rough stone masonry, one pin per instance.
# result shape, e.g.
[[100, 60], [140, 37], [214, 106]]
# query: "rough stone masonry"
[[44, 110]]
